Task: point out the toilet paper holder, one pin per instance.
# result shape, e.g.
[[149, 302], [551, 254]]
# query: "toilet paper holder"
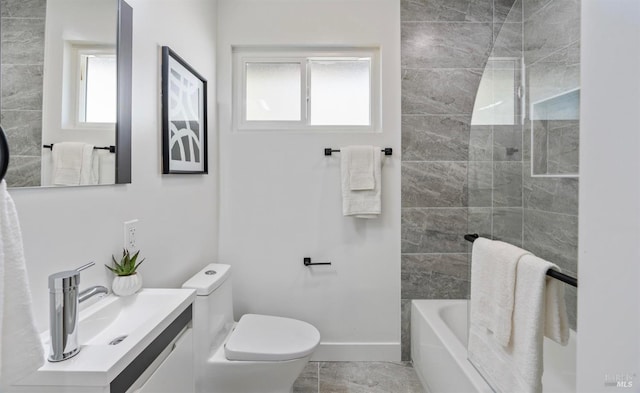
[[307, 262]]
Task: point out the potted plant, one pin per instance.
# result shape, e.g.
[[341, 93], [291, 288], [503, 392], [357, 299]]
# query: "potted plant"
[[127, 280]]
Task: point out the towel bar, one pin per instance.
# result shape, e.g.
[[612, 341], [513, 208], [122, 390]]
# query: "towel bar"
[[112, 149], [327, 151], [551, 273]]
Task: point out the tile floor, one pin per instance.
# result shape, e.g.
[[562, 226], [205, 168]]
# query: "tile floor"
[[358, 377]]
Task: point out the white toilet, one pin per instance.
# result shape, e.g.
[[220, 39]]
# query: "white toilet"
[[259, 354]]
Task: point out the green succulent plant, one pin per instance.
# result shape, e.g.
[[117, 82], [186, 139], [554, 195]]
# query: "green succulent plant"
[[127, 265]]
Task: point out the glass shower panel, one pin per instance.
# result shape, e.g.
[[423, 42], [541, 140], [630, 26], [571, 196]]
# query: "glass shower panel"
[[497, 101], [523, 164]]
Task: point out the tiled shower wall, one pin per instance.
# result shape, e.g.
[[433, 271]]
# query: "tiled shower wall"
[[22, 57], [459, 178], [445, 46]]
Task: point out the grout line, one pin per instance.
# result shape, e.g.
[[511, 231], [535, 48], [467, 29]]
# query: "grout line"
[[549, 212], [318, 375], [434, 253], [444, 114], [415, 22], [23, 64], [445, 161], [24, 17], [21, 110], [440, 207], [405, 68], [553, 53]]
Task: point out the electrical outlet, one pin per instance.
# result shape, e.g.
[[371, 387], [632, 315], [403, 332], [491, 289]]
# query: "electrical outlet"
[[130, 235]]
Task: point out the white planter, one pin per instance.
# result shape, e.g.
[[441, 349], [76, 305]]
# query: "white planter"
[[126, 285]]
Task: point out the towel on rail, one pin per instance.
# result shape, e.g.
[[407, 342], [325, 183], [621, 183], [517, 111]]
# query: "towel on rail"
[[357, 198], [538, 310], [74, 163], [493, 281]]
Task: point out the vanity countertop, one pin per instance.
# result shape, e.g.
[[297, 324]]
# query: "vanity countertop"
[[141, 318]]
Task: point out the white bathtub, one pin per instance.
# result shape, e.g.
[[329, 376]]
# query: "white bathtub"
[[439, 352]]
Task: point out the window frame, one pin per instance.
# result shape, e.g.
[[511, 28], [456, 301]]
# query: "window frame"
[[302, 56], [80, 54]]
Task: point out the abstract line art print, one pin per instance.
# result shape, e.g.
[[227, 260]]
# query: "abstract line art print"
[[184, 116]]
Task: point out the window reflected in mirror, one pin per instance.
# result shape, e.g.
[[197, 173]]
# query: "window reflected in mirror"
[[97, 93]]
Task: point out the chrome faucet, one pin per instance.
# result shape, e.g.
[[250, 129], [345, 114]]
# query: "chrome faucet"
[[63, 311], [91, 292]]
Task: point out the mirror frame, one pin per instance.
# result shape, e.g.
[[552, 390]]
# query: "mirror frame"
[[4, 154], [124, 51]]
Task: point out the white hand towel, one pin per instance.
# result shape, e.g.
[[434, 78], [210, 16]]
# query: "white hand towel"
[[518, 367], [360, 203], [361, 176], [493, 280], [21, 351], [107, 169], [73, 164]]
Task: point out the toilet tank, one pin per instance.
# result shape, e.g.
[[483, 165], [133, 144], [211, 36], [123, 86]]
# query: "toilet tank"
[[212, 309]]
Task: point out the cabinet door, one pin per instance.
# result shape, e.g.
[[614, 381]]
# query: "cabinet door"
[[175, 374]]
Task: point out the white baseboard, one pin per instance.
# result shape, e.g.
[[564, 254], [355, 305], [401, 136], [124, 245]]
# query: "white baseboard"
[[362, 352]]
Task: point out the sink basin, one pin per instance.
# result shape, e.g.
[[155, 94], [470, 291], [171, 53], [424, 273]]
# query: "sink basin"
[[115, 317], [111, 334]]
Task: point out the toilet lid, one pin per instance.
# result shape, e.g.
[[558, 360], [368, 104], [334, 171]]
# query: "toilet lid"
[[262, 337]]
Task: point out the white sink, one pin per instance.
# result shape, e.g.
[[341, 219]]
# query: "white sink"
[[116, 317], [112, 333]]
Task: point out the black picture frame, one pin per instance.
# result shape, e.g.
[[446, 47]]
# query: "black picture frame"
[[184, 139]]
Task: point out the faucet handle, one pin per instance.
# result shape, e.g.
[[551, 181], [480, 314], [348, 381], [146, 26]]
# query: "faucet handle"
[[67, 279], [84, 267]]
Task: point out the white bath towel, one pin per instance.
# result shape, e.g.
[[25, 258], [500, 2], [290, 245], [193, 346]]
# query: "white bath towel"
[[518, 367], [360, 203], [21, 351], [493, 280], [361, 176], [74, 164]]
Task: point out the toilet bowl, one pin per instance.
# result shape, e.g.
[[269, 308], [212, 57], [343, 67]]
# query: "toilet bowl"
[[258, 354]]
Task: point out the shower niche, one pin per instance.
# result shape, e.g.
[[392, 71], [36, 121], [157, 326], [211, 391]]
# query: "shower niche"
[[555, 135]]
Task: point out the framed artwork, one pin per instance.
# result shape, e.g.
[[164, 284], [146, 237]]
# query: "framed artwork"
[[184, 116]]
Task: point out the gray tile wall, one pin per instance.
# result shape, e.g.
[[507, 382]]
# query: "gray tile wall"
[[458, 177], [22, 57], [445, 46]]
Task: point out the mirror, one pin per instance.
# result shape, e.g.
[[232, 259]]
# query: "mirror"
[[65, 101]]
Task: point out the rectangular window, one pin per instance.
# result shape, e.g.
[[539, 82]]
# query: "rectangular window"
[[326, 89], [98, 82], [89, 86]]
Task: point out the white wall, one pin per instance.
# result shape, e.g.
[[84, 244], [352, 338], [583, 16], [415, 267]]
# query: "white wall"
[[280, 196], [66, 227], [609, 292]]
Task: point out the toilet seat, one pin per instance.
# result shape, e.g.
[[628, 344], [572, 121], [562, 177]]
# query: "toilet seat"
[[268, 338]]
